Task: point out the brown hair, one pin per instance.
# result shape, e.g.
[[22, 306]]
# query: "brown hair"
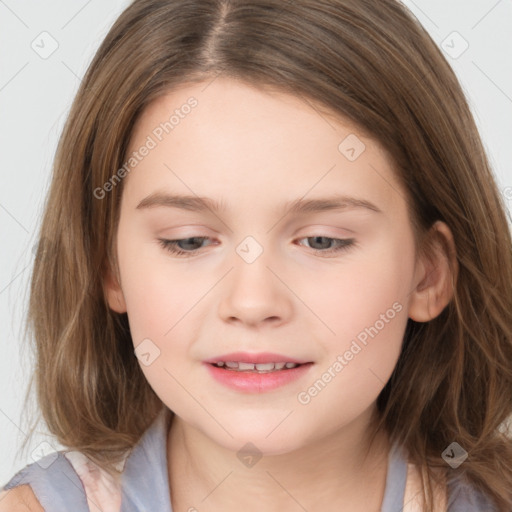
[[368, 61]]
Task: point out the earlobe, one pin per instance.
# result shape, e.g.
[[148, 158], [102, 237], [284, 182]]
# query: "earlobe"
[[435, 276], [114, 293]]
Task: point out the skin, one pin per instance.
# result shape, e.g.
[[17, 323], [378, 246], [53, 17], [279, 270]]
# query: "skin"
[[255, 150]]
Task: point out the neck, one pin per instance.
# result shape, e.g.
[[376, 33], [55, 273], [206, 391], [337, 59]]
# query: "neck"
[[345, 471]]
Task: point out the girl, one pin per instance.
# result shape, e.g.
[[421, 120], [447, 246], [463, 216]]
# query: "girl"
[[339, 338]]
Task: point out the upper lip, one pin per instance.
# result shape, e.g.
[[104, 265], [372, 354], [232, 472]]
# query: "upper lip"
[[260, 357]]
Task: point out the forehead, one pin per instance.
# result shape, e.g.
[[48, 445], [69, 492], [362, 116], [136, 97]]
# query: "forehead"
[[225, 139]]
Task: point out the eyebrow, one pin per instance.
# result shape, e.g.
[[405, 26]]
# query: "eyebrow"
[[297, 206]]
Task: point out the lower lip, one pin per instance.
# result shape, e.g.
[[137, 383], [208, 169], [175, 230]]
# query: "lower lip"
[[252, 382]]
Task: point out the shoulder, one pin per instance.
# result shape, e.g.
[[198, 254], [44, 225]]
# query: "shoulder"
[[19, 499], [464, 497], [49, 483], [451, 493]]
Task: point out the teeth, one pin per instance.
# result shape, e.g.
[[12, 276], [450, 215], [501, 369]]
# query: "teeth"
[[246, 366], [260, 367], [263, 366]]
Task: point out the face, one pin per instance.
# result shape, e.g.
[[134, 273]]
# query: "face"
[[318, 284]]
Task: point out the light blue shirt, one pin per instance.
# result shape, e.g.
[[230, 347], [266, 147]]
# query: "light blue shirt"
[[145, 482]]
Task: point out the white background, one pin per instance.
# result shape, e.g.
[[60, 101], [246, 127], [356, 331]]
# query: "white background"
[[36, 94]]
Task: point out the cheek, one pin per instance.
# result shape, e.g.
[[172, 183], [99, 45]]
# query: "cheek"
[[354, 294], [161, 302], [156, 301], [159, 293], [363, 307], [358, 361]]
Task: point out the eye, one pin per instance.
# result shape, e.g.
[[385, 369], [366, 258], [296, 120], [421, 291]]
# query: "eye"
[[189, 246], [173, 246], [323, 241]]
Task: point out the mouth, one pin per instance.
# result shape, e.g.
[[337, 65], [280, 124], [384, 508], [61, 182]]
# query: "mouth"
[[257, 372], [242, 367], [257, 377], [256, 361]]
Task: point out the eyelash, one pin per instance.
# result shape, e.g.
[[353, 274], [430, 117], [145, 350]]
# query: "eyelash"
[[171, 245]]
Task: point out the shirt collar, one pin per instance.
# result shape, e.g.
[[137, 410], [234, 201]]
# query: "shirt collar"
[[145, 478]]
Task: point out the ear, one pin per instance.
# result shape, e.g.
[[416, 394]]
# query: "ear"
[[434, 275], [113, 291]]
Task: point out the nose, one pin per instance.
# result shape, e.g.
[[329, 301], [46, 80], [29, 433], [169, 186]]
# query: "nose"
[[256, 293]]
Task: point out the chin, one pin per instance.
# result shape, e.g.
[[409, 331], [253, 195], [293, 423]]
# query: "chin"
[[264, 438]]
